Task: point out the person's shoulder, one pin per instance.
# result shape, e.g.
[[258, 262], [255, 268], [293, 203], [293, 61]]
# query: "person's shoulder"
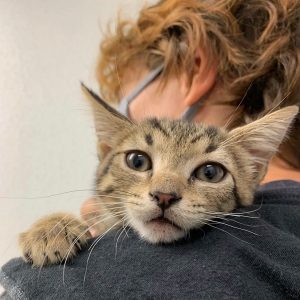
[[277, 192], [278, 204]]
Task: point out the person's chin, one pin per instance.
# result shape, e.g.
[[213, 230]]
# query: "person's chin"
[[159, 231]]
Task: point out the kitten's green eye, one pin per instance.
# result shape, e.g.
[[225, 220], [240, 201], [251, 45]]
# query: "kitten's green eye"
[[210, 173], [138, 161]]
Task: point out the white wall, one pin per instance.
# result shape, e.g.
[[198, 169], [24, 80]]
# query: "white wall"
[[47, 142]]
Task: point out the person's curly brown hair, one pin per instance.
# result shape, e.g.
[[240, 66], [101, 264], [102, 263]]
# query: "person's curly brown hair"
[[255, 42]]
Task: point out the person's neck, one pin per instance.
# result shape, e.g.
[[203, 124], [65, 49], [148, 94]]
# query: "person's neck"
[[216, 115], [279, 169]]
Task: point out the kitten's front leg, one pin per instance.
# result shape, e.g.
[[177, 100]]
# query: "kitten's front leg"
[[53, 239]]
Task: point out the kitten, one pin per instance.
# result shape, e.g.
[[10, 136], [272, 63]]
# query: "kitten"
[[163, 178]]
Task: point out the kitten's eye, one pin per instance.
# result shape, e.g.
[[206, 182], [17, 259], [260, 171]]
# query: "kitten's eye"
[[210, 173], [138, 161]]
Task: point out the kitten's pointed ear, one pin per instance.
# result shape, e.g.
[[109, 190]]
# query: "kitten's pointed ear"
[[109, 123], [263, 137]]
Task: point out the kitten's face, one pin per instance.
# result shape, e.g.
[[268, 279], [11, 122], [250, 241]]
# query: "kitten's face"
[[166, 177], [173, 176]]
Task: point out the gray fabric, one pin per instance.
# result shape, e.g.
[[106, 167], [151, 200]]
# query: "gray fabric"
[[10, 285], [211, 264]]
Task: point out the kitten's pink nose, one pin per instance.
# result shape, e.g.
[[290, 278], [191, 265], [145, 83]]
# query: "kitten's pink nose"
[[164, 200]]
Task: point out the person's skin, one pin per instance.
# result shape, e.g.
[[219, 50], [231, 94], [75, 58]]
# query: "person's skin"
[[174, 98]]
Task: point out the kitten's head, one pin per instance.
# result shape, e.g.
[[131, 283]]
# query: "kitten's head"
[[168, 177]]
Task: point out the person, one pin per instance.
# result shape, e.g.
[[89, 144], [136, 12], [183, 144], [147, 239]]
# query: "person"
[[239, 60], [242, 57]]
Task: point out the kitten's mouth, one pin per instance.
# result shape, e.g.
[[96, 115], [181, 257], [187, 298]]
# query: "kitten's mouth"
[[160, 230], [164, 221]]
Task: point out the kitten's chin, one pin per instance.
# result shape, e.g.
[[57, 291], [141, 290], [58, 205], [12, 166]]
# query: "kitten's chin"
[[157, 231]]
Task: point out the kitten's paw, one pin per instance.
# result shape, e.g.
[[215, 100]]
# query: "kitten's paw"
[[53, 239]]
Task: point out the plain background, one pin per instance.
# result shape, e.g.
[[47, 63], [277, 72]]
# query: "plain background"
[[47, 141]]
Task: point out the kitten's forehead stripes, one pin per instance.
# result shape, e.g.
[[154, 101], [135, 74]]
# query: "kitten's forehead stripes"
[[211, 147], [210, 131], [197, 138], [149, 139], [157, 125], [185, 131]]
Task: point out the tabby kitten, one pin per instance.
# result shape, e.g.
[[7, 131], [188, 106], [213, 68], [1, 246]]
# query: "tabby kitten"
[[163, 178]]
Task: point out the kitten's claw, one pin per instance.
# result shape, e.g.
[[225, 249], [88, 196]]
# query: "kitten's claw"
[[53, 240]]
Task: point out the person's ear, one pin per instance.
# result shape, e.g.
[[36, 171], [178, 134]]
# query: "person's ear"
[[109, 123], [203, 80]]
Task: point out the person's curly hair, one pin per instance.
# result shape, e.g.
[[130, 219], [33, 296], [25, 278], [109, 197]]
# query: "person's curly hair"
[[255, 42]]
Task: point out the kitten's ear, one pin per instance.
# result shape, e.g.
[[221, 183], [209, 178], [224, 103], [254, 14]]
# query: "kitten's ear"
[[263, 137], [108, 122]]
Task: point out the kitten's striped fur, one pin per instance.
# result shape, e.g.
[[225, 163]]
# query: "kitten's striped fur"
[[176, 150]]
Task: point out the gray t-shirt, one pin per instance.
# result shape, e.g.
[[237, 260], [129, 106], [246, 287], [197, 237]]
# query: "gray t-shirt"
[[223, 263]]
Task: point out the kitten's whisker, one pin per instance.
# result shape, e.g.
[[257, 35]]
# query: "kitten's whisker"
[[101, 218], [124, 229], [91, 248], [111, 196], [242, 216], [65, 258], [126, 232], [269, 112], [218, 214], [226, 218], [59, 222], [124, 193], [235, 221], [236, 213], [231, 116], [119, 231], [287, 94], [61, 193], [208, 224], [105, 217], [117, 191], [48, 196], [103, 204], [229, 214], [232, 140], [65, 226], [100, 236], [122, 204], [217, 222]]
